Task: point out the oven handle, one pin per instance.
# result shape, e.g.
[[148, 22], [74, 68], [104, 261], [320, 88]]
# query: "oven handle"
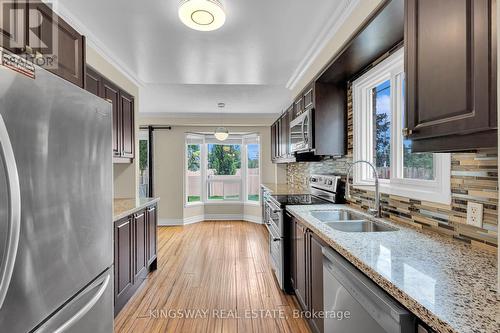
[[273, 206]]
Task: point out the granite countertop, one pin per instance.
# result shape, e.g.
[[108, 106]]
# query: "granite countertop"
[[125, 207], [284, 189], [448, 284]]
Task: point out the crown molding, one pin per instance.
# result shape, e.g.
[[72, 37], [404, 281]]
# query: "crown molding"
[[327, 33], [93, 41]]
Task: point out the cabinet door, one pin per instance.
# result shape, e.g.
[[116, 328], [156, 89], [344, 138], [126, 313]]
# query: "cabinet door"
[[127, 124], [152, 236], [123, 266], [309, 98], [315, 282], [140, 246], [450, 69], [111, 93], [301, 266], [93, 82], [293, 257], [51, 35], [298, 106], [273, 142], [13, 25], [284, 124]]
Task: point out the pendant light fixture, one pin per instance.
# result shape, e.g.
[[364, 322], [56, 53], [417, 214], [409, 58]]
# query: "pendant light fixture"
[[202, 15], [221, 133]]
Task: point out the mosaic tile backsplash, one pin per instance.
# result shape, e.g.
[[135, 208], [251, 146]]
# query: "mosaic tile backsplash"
[[474, 177]]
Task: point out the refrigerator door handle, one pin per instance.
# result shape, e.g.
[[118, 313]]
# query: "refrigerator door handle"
[[86, 308], [14, 227]]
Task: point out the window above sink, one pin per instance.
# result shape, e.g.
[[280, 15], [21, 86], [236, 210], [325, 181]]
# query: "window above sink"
[[378, 118]]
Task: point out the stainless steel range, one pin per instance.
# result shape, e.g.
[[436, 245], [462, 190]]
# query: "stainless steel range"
[[323, 189]]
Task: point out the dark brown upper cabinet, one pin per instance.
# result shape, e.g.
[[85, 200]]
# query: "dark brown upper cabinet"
[[280, 138], [123, 114], [32, 29], [51, 35], [330, 118], [93, 81], [450, 62], [13, 25], [111, 93], [127, 125]]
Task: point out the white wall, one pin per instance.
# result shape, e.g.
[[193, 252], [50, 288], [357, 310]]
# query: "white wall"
[[125, 175]]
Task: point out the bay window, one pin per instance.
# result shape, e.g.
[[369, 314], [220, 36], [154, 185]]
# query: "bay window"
[[378, 122], [222, 172]]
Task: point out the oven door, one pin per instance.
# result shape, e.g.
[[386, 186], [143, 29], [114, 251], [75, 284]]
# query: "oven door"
[[301, 133], [276, 255]]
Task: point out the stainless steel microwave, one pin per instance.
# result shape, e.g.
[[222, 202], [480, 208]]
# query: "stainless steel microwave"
[[301, 133]]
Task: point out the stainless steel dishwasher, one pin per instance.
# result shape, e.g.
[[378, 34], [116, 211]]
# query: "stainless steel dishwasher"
[[355, 304]]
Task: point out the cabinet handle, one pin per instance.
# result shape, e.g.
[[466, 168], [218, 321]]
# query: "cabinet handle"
[[139, 216], [150, 209], [407, 132]]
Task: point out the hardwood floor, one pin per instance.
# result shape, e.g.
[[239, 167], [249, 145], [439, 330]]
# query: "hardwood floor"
[[220, 272]]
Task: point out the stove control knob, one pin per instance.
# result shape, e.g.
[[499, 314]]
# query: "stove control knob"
[[329, 182]]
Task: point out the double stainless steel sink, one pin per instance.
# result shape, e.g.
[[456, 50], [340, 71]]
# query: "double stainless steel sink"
[[348, 221]]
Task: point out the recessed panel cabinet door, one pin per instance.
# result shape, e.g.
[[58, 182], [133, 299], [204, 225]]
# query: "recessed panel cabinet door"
[[300, 266], [152, 236], [127, 121], [316, 279], [93, 82], [140, 247], [124, 277], [50, 35], [450, 64], [12, 25], [111, 93]]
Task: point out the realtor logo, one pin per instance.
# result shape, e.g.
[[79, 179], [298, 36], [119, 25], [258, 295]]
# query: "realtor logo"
[[30, 30]]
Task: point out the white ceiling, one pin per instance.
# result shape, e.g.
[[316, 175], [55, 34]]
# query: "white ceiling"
[[246, 64]]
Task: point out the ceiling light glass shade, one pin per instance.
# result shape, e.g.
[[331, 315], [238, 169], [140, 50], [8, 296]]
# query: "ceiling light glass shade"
[[202, 15], [221, 133]]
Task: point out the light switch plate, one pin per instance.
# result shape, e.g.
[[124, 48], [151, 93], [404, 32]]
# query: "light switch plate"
[[475, 214]]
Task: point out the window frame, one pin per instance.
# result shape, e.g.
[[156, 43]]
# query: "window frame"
[[186, 183], [437, 190], [243, 178], [250, 139]]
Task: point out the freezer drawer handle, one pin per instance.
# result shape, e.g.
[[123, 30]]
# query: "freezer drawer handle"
[[14, 210], [86, 308]]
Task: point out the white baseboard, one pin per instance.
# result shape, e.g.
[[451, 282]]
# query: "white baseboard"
[[194, 219], [209, 217], [170, 222]]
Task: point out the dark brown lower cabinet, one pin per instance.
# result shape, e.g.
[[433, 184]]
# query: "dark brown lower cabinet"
[[301, 290], [140, 247], [123, 267], [315, 269], [152, 219], [306, 272], [135, 240]]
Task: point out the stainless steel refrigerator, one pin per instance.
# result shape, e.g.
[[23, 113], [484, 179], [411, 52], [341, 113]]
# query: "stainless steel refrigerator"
[[55, 206]]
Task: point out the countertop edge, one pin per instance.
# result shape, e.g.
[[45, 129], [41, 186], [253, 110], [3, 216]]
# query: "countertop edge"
[[411, 304], [135, 209]]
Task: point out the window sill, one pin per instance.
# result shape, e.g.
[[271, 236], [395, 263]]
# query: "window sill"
[[221, 203], [428, 194], [193, 204]]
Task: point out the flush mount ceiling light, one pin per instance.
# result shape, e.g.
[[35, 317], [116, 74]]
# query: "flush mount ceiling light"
[[202, 15], [221, 133]]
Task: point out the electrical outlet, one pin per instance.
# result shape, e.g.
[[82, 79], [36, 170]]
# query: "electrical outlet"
[[475, 214]]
